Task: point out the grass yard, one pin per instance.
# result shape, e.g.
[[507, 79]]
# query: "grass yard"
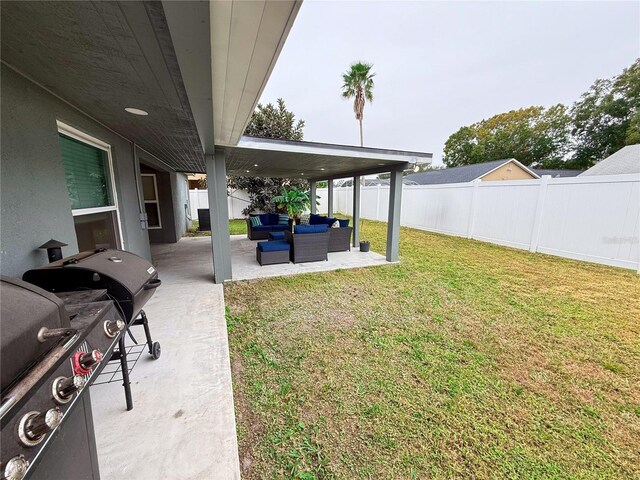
[[466, 360], [236, 227]]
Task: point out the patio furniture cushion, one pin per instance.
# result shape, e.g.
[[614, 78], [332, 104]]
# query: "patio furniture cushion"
[[264, 219], [283, 219], [329, 221], [276, 246], [270, 228], [344, 223], [274, 218], [316, 219], [255, 221], [311, 228], [276, 235]]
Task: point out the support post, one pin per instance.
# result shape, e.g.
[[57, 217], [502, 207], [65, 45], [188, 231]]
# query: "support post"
[[219, 215], [537, 220], [330, 198], [356, 210], [314, 197], [393, 221]]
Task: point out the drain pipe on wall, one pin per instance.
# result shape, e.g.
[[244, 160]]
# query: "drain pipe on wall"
[[137, 172]]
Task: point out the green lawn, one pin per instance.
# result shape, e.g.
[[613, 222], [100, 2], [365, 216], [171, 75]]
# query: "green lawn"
[[466, 360], [236, 227]]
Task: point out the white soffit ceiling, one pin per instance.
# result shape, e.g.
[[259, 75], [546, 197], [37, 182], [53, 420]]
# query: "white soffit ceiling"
[[246, 39]]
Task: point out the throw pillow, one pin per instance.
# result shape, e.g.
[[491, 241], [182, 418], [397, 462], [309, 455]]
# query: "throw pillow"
[[335, 224], [255, 221], [304, 219], [344, 223], [283, 220]]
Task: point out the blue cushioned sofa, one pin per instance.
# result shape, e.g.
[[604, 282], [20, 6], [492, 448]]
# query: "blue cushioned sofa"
[[269, 224], [309, 243], [339, 238]]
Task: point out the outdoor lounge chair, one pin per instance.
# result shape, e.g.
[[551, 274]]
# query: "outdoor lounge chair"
[[309, 243]]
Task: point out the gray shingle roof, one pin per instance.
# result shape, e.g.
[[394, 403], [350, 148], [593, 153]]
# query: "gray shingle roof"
[[468, 173], [557, 173], [625, 160]]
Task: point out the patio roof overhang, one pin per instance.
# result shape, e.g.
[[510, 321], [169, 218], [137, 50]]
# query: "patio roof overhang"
[[197, 67], [263, 157]]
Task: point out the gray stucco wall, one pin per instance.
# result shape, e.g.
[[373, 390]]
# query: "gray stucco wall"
[[33, 192]]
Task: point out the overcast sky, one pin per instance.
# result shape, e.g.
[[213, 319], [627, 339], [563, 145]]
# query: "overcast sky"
[[440, 66]]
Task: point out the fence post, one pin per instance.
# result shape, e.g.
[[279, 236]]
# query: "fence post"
[[378, 202], [472, 210], [537, 219]]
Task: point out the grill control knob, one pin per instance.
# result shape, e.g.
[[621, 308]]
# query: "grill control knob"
[[83, 362], [64, 388], [34, 425], [16, 468], [113, 327]]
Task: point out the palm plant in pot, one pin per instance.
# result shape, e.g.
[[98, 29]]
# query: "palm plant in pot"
[[293, 200]]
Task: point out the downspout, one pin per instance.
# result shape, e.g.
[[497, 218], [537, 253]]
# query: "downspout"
[[138, 180]]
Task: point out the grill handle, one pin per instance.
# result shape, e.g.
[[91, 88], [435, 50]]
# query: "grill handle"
[[153, 283]]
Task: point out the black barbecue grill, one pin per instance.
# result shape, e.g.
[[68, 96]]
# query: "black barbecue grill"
[[127, 279], [50, 354], [131, 280]]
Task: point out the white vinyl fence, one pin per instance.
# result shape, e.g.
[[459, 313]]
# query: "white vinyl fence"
[[237, 200], [591, 218]]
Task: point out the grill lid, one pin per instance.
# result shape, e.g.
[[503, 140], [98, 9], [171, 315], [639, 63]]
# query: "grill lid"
[[25, 309], [127, 268]]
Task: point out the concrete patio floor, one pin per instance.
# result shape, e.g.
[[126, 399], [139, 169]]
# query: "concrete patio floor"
[[245, 267], [182, 425]]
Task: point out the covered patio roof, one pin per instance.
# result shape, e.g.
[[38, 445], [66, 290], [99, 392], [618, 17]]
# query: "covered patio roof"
[[264, 157]]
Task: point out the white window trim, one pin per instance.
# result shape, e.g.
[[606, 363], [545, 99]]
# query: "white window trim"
[[83, 137], [156, 201]]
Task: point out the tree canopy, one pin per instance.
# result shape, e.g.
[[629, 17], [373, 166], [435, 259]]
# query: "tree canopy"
[[602, 121], [607, 116], [269, 121], [531, 135], [358, 84], [274, 121]]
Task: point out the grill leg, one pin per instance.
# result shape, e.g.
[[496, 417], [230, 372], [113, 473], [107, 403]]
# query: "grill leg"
[[125, 372], [145, 324]]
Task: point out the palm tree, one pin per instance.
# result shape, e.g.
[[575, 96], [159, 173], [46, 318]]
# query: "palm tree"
[[358, 84]]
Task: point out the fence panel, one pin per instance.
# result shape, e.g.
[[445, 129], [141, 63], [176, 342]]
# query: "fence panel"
[[585, 218]]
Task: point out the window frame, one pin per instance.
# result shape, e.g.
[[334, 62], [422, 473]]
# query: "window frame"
[[83, 137], [156, 201]]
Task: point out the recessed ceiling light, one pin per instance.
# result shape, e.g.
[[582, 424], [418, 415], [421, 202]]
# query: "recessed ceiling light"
[[247, 171], [135, 111], [322, 169], [381, 164], [301, 173], [255, 164]]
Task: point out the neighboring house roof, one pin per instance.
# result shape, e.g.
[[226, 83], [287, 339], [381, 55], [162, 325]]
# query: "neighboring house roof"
[[625, 160], [557, 173], [468, 173]]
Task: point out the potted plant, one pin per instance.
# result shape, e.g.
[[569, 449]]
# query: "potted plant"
[[293, 201], [364, 244]]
